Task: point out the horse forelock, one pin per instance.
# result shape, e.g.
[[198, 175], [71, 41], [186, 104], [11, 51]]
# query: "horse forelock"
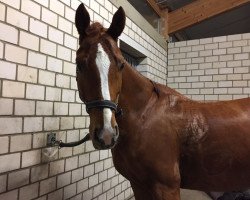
[[93, 32], [95, 29], [96, 34]]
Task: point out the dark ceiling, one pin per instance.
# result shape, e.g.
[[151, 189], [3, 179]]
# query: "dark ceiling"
[[235, 21]]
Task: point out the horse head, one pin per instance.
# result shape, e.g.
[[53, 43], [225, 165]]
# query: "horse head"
[[99, 74]]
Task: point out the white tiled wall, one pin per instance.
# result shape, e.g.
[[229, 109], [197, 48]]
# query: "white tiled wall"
[[211, 69], [38, 94]]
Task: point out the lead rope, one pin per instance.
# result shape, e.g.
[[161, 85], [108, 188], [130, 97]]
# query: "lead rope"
[[61, 144]]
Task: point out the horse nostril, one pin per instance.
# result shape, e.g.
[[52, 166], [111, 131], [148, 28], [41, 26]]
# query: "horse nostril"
[[116, 131], [106, 138], [96, 134]]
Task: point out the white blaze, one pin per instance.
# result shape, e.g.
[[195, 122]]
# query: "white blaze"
[[103, 63]]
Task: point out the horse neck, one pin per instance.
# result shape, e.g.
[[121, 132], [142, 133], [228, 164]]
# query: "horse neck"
[[136, 89]]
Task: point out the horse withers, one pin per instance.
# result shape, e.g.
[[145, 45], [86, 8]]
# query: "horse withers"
[[163, 141]]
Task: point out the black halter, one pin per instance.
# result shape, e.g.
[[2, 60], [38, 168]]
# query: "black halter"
[[104, 104], [101, 104]]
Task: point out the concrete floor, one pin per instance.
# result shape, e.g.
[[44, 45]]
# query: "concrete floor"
[[194, 195], [190, 195]]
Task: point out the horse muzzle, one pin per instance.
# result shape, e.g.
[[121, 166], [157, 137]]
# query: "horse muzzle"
[[105, 138]]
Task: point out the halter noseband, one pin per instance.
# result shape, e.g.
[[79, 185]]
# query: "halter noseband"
[[101, 104]]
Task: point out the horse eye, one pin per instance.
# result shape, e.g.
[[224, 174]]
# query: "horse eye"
[[78, 68], [121, 65], [81, 65]]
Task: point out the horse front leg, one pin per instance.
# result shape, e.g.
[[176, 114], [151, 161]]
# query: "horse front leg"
[[157, 192], [142, 192], [164, 192]]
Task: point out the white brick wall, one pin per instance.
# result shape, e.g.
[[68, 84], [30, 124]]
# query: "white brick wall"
[[55, 65], [24, 107], [8, 33], [35, 91], [217, 67], [26, 74], [36, 60], [29, 191], [1, 50], [38, 28], [4, 145], [7, 70], [17, 18], [46, 78], [10, 162], [20, 143], [12, 195], [15, 54], [10, 125], [29, 41], [30, 158], [48, 47], [18, 178], [38, 94], [55, 35], [47, 185], [31, 8], [32, 124]]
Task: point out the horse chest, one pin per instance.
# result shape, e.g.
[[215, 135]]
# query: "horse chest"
[[128, 164], [135, 157]]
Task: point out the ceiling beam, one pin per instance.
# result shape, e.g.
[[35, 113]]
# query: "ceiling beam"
[[163, 15], [155, 7], [164, 24], [198, 11]]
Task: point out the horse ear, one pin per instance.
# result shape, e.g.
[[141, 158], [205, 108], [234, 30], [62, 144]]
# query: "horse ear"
[[117, 24], [82, 20]]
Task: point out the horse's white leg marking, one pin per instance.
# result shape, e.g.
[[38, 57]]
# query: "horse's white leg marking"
[[103, 63]]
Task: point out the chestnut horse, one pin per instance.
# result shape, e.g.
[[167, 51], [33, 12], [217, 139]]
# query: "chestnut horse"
[[165, 141]]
